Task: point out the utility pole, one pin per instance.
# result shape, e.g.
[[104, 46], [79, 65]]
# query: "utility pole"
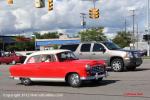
[[125, 26], [83, 22], [133, 35], [137, 36], [94, 1], [148, 31]]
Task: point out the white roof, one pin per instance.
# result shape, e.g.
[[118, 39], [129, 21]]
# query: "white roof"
[[45, 52], [49, 52]]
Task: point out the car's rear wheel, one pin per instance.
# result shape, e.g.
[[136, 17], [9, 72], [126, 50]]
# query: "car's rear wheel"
[[117, 65], [74, 80], [26, 81]]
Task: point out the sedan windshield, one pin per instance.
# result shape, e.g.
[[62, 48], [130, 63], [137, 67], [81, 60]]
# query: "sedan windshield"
[[66, 56], [111, 46]]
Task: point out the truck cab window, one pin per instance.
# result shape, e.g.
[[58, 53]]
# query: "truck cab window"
[[85, 47], [98, 47]]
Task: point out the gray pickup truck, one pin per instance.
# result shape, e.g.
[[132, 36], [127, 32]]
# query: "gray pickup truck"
[[118, 59]]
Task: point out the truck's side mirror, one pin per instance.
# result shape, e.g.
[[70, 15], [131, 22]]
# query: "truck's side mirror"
[[103, 50]]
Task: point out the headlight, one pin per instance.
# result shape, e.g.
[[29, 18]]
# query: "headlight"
[[88, 67], [129, 55]]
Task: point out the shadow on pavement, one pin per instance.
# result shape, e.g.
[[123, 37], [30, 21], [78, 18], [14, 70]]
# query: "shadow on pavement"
[[100, 83], [84, 84], [136, 70], [140, 69]]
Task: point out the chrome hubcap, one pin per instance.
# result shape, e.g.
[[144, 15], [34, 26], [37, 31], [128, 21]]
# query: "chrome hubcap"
[[75, 79], [116, 65], [13, 62]]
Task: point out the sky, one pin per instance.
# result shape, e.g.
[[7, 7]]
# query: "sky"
[[23, 17]]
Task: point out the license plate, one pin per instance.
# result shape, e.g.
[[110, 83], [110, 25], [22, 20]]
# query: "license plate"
[[96, 76]]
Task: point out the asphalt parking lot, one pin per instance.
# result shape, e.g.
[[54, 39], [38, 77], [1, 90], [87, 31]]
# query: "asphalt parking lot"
[[132, 85]]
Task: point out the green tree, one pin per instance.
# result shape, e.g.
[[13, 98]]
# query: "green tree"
[[49, 35], [95, 34], [123, 39]]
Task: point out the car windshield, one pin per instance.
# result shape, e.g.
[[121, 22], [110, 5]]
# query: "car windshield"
[[111, 46], [66, 56]]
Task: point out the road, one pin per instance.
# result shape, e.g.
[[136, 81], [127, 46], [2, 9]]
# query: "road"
[[132, 85]]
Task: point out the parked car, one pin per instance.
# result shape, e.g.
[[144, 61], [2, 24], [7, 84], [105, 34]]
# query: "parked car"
[[58, 66], [118, 59], [11, 58]]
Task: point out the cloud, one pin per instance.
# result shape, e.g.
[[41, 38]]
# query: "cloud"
[[24, 17]]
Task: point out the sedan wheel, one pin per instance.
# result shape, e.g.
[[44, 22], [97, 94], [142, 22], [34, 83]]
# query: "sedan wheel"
[[117, 65], [74, 80], [13, 62], [25, 81]]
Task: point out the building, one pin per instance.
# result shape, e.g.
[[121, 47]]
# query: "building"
[[48, 44], [6, 40]]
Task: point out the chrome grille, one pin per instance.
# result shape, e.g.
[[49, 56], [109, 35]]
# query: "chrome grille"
[[97, 69]]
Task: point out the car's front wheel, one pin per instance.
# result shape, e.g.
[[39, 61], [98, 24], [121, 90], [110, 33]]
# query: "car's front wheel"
[[25, 81], [117, 65], [74, 80]]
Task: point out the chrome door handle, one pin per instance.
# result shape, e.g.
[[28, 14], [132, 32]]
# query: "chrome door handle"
[[80, 53]]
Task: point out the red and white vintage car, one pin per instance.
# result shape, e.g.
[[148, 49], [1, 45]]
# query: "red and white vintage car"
[[58, 66]]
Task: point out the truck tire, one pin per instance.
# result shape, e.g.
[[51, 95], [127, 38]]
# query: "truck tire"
[[74, 80], [26, 81], [117, 65]]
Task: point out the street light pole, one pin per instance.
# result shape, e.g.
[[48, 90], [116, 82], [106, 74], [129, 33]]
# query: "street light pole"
[[34, 41], [125, 26], [133, 35], [148, 31], [137, 36], [83, 23]]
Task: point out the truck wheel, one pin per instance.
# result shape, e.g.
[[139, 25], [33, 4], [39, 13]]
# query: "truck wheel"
[[74, 80], [13, 62], [25, 81], [117, 65]]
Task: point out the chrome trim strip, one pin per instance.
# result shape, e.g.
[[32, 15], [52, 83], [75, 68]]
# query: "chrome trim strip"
[[49, 79], [42, 79]]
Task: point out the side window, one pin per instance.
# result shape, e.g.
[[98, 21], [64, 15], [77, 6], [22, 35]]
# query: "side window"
[[47, 58], [97, 47], [85, 48], [34, 59], [72, 47]]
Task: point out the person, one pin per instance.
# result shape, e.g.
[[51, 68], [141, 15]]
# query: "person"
[[48, 58], [13, 53]]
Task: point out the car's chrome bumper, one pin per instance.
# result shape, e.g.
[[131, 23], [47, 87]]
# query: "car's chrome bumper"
[[15, 78], [95, 77]]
